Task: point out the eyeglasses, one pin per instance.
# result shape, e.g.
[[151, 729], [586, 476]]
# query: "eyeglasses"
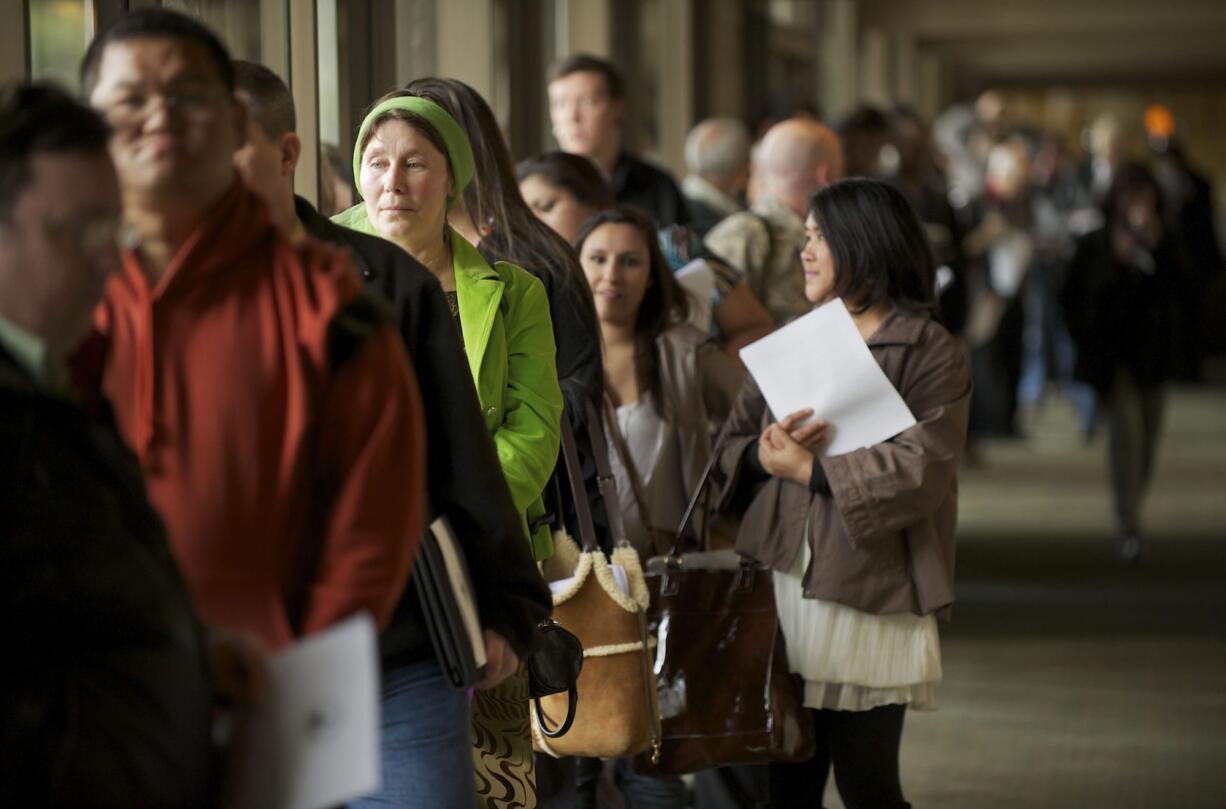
[[136, 107]]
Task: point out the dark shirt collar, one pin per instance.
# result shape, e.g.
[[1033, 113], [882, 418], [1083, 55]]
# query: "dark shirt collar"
[[621, 172]]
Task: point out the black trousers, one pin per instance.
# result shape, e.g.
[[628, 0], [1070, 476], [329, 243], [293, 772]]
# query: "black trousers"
[[862, 746]]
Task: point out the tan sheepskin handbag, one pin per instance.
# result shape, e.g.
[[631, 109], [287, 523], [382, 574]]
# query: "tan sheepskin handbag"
[[617, 714]]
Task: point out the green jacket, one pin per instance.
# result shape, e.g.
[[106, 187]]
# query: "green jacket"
[[508, 337]]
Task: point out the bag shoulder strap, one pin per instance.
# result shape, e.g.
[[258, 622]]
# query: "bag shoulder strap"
[[574, 475], [632, 471], [604, 476]]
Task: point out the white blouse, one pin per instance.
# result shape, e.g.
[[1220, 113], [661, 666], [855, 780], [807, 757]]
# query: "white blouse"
[[656, 453]]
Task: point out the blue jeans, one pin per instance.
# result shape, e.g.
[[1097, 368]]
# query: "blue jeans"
[[426, 750], [637, 791]]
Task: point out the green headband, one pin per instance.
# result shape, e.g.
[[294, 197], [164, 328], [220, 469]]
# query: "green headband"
[[459, 151]]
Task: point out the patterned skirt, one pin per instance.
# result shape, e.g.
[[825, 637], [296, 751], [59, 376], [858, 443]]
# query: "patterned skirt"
[[502, 745]]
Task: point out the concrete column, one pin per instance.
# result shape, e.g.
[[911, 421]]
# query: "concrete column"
[[725, 79], [466, 43], [838, 57], [303, 45], [675, 100], [875, 67], [329, 72], [906, 68], [931, 97], [274, 36], [584, 26], [15, 46], [415, 39]]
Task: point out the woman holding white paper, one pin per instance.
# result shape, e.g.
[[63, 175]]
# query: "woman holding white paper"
[[862, 543], [667, 386]]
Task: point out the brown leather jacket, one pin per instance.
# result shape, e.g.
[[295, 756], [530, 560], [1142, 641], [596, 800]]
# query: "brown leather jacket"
[[698, 384], [883, 542]]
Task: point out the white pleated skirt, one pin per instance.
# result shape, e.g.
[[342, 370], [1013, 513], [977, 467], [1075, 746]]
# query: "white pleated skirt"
[[855, 661]]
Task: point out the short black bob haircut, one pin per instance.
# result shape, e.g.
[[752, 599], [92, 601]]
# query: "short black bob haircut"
[[156, 23], [878, 245], [41, 118]]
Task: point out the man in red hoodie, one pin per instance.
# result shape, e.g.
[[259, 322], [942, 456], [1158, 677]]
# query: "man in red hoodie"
[[274, 413]]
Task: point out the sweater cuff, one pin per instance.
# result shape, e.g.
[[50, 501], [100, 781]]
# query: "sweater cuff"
[[753, 473], [818, 482]]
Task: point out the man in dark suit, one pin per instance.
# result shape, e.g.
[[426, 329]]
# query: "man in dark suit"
[[106, 694]]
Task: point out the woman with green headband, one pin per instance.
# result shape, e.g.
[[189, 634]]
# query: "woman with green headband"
[[412, 162]]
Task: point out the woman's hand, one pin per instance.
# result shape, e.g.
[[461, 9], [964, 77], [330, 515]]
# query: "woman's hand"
[[783, 456], [238, 663], [810, 436], [500, 660]]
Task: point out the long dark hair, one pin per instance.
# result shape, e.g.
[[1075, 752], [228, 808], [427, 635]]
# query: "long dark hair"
[[878, 246], [664, 304], [493, 198]]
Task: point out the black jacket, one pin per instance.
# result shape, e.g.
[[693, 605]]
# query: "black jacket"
[[104, 695], [1120, 316], [650, 189], [464, 477], [580, 375]]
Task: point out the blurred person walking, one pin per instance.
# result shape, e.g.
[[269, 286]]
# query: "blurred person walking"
[[1119, 303], [862, 544], [587, 106], [276, 418], [1201, 288], [425, 719]]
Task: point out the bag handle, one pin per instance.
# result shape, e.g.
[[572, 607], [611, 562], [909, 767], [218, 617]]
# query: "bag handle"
[[604, 476], [636, 482], [632, 470], [542, 721], [608, 491], [692, 506], [574, 474]]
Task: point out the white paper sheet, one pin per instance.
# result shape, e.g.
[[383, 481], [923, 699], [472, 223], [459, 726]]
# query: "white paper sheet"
[[314, 741], [461, 586], [820, 361]]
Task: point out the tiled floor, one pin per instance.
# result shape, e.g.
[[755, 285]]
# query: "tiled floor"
[[1070, 680]]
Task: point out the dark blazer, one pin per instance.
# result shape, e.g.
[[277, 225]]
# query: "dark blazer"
[[104, 696], [649, 188], [580, 372], [464, 478]]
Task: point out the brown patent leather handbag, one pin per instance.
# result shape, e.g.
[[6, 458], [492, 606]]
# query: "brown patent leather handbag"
[[724, 689]]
